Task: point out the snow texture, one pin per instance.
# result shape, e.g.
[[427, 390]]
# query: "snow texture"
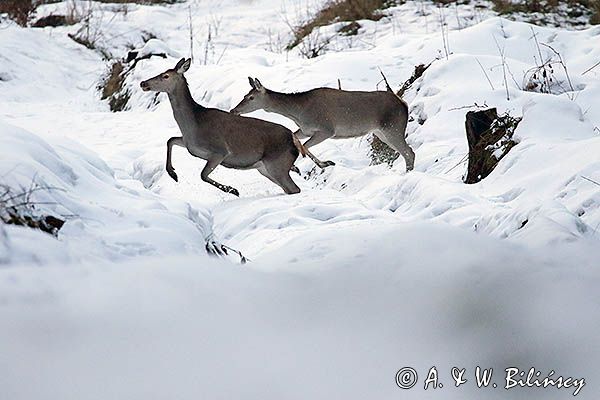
[[366, 271]]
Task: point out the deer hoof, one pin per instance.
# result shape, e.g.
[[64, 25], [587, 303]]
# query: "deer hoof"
[[172, 174], [233, 191], [326, 164], [295, 169]]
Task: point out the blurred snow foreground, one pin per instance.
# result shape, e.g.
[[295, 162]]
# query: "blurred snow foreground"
[[367, 271]]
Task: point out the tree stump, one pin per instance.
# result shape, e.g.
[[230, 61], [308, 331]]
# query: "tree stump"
[[490, 139]]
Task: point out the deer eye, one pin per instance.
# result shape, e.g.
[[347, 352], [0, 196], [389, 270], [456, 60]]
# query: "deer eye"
[[165, 76], [251, 97]]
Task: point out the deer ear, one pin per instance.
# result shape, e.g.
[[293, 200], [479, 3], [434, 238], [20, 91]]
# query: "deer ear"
[[258, 85], [183, 65], [252, 84]]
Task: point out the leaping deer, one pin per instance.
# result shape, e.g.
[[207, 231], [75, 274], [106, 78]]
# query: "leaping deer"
[[222, 138], [324, 113]]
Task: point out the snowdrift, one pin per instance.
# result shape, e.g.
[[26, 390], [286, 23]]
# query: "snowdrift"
[[106, 220]]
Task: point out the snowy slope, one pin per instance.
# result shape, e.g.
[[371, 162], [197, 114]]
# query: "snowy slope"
[[368, 270]]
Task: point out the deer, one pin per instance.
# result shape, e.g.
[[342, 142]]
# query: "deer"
[[324, 113], [222, 138]]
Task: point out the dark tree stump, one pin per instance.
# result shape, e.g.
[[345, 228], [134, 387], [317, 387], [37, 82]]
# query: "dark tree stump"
[[490, 139]]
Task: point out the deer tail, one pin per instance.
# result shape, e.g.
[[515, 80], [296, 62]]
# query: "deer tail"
[[299, 145]]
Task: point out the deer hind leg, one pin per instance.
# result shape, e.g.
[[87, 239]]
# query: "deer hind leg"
[[395, 139], [301, 134], [278, 172], [210, 167], [314, 140]]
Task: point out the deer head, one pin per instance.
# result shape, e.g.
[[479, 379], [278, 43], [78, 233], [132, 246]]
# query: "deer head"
[[256, 99], [169, 80]]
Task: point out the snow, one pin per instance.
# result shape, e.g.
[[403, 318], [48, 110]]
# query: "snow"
[[106, 219], [367, 270]]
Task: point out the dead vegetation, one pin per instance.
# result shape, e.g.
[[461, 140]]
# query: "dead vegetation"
[[23, 11], [20, 11], [341, 11], [113, 87], [417, 73], [17, 207], [540, 11], [541, 78]]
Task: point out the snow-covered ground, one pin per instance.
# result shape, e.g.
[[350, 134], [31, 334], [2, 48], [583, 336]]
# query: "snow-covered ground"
[[368, 270]]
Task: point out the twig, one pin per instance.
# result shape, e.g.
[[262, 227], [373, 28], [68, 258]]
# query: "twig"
[[591, 68], [561, 63], [444, 38], [475, 105], [503, 67], [222, 54], [462, 160], [191, 32], [485, 73], [591, 180]]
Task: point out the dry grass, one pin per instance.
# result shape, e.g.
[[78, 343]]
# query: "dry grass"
[[20, 11], [17, 207], [113, 87], [23, 11], [340, 11], [595, 7], [570, 9]]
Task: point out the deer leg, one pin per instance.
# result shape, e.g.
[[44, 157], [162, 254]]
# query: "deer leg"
[[278, 174], [210, 167], [317, 138], [300, 134], [177, 141], [398, 143]]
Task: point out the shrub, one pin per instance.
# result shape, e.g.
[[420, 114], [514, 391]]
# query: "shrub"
[[20, 11], [339, 11], [113, 87], [18, 208]]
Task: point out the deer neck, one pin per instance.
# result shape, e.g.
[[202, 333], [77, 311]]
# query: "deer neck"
[[289, 105], [184, 107]]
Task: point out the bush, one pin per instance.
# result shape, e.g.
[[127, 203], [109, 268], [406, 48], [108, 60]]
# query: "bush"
[[113, 87], [18, 208], [340, 11], [537, 10], [20, 11]]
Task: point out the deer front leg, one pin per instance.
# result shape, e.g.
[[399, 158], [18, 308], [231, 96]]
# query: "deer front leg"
[[210, 167], [177, 141], [315, 139]]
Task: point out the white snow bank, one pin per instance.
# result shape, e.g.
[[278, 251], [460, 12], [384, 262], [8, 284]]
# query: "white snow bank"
[[334, 323], [106, 219]]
